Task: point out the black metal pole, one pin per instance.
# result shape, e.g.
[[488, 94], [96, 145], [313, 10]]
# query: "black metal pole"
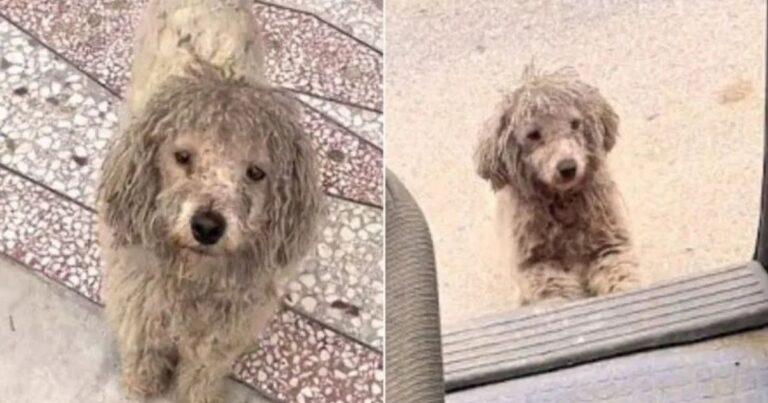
[[761, 249]]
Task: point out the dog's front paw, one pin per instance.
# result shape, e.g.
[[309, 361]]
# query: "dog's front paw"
[[147, 379], [144, 387], [621, 278], [628, 283]]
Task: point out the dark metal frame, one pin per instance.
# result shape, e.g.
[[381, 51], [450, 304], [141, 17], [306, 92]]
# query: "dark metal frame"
[[761, 247], [414, 370]]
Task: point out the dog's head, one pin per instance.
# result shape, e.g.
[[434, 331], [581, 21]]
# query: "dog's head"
[[214, 167], [551, 133]]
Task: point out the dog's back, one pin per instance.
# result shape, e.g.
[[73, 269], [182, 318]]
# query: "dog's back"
[[176, 33]]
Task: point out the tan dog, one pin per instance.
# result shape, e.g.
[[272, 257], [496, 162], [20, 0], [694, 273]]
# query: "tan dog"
[[544, 152], [208, 196]]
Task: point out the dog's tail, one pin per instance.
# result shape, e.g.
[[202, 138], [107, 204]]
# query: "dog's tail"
[[175, 34]]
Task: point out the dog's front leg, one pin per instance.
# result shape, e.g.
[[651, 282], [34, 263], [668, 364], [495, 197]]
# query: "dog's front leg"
[[146, 369], [202, 370], [613, 270], [548, 282], [147, 354]]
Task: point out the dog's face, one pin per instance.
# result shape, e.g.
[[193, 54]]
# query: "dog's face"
[[213, 189], [554, 147], [214, 168], [551, 133]]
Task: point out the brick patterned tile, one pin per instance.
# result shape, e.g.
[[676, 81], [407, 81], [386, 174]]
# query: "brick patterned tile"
[[359, 18], [299, 361], [49, 234], [342, 282], [304, 53], [308, 55], [353, 168], [366, 124], [55, 124]]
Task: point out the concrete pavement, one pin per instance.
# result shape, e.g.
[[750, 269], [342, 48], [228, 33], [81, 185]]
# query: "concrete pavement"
[[56, 347]]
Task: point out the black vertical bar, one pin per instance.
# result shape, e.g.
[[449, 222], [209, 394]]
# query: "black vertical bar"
[[761, 249]]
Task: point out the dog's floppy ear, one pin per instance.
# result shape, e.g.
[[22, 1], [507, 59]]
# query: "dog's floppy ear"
[[296, 197], [489, 153], [610, 122], [606, 119], [130, 182]]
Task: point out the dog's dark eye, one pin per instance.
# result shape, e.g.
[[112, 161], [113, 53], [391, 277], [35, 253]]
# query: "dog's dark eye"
[[182, 157], [534, 135], [255, 173], [575, 124]]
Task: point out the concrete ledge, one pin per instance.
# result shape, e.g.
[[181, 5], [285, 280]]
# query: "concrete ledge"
[[730, 369], [538, 339]]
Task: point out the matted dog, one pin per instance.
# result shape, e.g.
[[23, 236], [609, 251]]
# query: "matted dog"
[[209, 195], [544, 153]]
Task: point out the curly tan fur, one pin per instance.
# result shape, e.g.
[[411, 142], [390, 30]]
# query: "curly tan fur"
[[544, 152], [183, 310]]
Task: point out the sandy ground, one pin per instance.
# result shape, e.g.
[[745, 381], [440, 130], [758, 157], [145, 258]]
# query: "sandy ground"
[[686, 77]]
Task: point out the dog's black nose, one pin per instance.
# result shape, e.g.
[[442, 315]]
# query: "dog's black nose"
[[567, 168], [208, 227]]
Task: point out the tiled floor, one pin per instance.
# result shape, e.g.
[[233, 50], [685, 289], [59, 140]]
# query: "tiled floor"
[[57, 113], [343, 280], [365, 123], [352, 16], [74, 117], [304, 53]]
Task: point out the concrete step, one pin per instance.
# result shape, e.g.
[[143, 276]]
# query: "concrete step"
[[729, 369], [541, 338]]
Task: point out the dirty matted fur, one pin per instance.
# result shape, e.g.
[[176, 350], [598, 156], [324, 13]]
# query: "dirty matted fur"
[[208, 196], [544, 153]]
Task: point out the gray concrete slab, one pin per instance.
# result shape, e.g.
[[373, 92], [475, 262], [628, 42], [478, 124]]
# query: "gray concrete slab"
[[540, 338], [730, 369], [55, 346]]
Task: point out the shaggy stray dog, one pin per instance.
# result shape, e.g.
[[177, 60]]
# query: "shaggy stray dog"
[[209, 196], [544, 152]]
